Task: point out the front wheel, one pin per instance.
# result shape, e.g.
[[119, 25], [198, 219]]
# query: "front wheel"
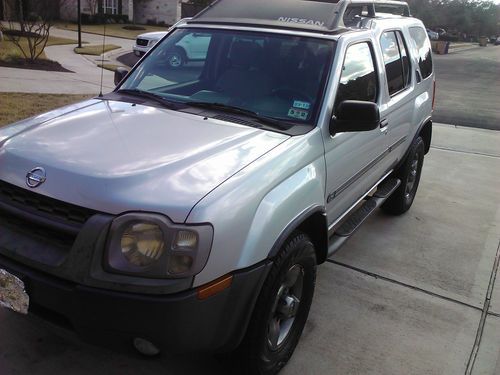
[[177, 58], [282, 309], [409, 173]]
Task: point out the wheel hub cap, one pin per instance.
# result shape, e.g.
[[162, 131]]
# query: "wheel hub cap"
[[286, 307], [412, 177], [175, 61]]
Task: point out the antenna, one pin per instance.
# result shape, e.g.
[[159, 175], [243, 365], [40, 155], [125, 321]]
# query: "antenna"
[[102, 57]]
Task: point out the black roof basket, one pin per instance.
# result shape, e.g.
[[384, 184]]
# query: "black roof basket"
[[324, 16]]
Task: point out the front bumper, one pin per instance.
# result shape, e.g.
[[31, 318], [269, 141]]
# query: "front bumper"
[[141, 50], [178, 323], [61, 263]]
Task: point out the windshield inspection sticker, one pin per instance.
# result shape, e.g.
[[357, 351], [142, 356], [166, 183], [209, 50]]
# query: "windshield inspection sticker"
[[298, 113], [301, 105]]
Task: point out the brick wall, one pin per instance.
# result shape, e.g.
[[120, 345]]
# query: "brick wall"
[[8, 9], [168, 11], [68, 10]]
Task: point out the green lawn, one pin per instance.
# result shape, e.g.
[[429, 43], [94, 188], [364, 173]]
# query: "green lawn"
[[18, 106], [10, 53], [116, 30], [95, 50]]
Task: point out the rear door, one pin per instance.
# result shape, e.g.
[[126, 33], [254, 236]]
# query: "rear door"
[[397, 108]]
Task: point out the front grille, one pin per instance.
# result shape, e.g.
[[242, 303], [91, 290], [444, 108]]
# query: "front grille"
[[40, 205], [36, 227], [142, 42]]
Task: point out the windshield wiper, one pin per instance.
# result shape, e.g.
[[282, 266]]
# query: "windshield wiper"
[[281, 124], [149, 95]]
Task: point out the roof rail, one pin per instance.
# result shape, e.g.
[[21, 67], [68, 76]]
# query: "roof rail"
[[323, 16], [371, 5]]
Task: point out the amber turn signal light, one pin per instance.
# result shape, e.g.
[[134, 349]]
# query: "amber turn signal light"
[[215, 287]]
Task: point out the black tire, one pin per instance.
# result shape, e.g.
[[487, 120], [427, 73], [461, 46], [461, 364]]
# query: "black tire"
[[401, 200], [177, 58], [257, 355]]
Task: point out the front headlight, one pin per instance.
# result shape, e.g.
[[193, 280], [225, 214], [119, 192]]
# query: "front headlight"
[[149, 245], [142, 244]]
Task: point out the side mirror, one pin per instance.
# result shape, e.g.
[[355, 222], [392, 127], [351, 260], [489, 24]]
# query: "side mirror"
[[355, 116], [120, 74]]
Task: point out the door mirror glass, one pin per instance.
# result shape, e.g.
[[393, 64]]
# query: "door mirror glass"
[[355, 116]]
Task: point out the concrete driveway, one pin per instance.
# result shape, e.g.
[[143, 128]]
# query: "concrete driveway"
[[406, 295]]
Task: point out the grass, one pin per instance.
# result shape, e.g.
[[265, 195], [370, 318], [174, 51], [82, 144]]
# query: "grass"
[[10, 53], [95, 50], [116, 30], [18, 106]]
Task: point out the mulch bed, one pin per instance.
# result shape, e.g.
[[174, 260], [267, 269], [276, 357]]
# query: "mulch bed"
[[46, 65]]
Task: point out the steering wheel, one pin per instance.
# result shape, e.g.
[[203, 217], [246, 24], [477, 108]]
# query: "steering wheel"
[[292, 94]]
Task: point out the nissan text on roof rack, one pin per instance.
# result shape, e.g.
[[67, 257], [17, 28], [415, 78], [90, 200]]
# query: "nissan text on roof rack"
[[188, 210]]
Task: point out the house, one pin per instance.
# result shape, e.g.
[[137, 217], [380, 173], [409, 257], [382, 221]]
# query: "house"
[[12, 9], [139, 11]]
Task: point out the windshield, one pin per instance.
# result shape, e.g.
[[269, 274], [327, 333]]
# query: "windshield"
[[271, 75]]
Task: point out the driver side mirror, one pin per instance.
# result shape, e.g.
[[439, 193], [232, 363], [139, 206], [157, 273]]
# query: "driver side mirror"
[[355, 116], [120, 74]]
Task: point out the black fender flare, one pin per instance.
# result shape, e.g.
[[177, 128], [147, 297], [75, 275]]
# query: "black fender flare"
[[320, 241]]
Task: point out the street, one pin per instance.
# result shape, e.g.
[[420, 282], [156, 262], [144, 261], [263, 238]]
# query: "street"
[[468, 88]]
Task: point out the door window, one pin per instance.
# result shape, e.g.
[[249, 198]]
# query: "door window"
[[397, 63], [359, 79]]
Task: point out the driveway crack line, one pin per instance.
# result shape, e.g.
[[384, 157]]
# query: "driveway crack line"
[[484, 315], [400, 283], [465, 152]]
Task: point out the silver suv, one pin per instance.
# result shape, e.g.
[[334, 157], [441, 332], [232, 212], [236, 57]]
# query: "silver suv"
[[188, 209]]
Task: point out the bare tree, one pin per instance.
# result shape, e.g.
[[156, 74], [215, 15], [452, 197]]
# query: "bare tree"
[[34, 27]]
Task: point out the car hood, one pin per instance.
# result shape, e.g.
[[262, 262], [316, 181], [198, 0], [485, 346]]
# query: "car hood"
[[114, 157], [153, 36]]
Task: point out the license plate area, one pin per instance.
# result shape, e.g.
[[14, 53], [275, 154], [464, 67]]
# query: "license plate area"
[[13, 294]]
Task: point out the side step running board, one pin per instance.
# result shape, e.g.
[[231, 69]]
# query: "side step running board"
[[354, 221]]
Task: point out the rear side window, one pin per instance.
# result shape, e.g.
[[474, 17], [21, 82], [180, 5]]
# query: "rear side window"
[[423, 45], [397, 63], [359, 79], [405, 59]]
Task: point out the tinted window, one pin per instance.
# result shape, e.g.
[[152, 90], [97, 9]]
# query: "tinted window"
[[278, 76], [423, 45], [184, 61], [359, 79], [405, 60], [397, 64]]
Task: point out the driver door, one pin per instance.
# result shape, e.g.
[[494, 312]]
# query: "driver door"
[[353, 159]]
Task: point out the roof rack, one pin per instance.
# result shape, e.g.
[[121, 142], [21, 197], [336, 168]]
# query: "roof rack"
[[325, 16]]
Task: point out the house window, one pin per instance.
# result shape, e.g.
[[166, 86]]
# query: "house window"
[[110, 6]]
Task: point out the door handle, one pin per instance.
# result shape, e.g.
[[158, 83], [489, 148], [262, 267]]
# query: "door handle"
[[384, 123]]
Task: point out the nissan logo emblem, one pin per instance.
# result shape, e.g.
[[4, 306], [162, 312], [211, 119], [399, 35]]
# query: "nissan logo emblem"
[[36, 177]]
